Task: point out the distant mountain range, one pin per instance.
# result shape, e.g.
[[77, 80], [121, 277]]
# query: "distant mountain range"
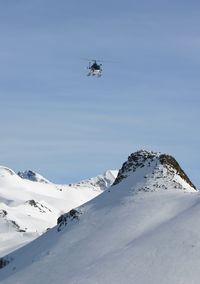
[[30, 204], [143, 229]]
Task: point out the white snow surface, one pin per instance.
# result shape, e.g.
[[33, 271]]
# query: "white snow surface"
[[143, 230], [28, 208]]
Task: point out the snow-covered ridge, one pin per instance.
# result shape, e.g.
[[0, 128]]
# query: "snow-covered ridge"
[[156, 171], [102, 182], [30, 204], [4, 171]]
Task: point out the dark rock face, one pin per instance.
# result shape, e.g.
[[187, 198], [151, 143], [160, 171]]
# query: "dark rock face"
[[135, 160], [17, 227], [144, 158], [27, 175], [39, 206], [3, 262], [3, 213], [169, 160], [62, 220], [30, 175], [32, 202]]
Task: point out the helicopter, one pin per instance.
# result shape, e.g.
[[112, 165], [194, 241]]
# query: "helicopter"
[[94, 68]]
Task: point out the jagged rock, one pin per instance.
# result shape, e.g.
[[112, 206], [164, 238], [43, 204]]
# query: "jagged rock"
[[62, 220], [38, 205], [135, 160], [170, 161], [3, 262], [32, 203], [160, 170], [33, 176], [3, 213]]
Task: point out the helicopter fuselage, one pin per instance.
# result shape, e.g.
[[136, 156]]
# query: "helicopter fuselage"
[[95, 69]]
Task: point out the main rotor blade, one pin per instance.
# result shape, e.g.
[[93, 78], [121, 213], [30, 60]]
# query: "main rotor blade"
[[98, 60], [87, 59]]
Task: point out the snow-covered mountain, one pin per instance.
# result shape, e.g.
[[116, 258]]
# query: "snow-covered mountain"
[[144, 229], [149, 171], [30, 204], [100, 182], [33, 176]]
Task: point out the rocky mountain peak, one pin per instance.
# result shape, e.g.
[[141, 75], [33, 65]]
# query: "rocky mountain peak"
[[155, 166], [170, 161], [32, 176], [136, 160]]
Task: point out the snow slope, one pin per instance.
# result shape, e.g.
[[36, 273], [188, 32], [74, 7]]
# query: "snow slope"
[[30, 204], [144, 229]]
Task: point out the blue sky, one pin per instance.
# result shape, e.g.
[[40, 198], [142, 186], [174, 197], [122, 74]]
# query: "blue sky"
[[57, 121]]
